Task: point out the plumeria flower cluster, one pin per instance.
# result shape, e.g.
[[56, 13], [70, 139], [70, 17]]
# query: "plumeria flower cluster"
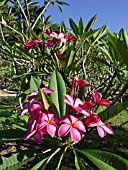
[[53, 39], [77, 120]]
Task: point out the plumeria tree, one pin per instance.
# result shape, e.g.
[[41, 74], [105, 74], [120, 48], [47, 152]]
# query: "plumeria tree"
[[69, 82]]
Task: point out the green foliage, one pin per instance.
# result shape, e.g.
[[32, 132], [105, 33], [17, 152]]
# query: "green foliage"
[[113, 111], [57, 84], [105, 160], [16, 160]]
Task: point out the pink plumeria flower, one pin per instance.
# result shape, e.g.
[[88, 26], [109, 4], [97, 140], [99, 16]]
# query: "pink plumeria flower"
[[59, 36], [94, 121], [30, 107], [81, 83], [98, 99], [28, 45], [69, 37], [88, 104], [33, 43], [49, 43], [48, 32], [32, 121], [75, 104], [47, 123], [73, 125]]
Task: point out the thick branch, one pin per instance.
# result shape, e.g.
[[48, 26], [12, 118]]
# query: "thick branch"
[[120, 93]]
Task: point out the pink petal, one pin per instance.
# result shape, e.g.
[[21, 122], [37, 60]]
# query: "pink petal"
[[98, 96], [69, 100], [101, 131], [76, 135], [92, 125], [65, 119], [64, 130], [61, 35], [29, 134], [86, 113], [23, 113], [73, 119], [63, 40], [80, 126], [50, 116], [78, 102], [53, 34], [38, 137], [46, 90], [51, 129], [104, 102], [108, 129]]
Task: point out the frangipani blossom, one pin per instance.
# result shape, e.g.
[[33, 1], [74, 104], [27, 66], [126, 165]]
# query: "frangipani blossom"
[[30, 44], [73, 125], [81, 83], [74, 103], [98, 99], [47, 123], [32, 121], [69, 37], [59, 36], [94, 121]]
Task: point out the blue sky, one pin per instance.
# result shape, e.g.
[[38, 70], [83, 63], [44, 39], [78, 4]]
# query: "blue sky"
[[114, 13]]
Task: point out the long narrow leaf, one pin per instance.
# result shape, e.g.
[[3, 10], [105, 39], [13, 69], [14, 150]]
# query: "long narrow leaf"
[[57, 84], [112, 111], [105, 160]]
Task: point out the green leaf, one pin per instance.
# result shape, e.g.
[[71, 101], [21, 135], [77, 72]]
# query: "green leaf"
[[57, 84], [35, 73], [42, 96], [33, 35], [98, 34], [123, 35], [34, 84], [16, 160], [105, 160], [62, 28], [76, 161], [59, 8], [3, 2], [50, 157], [112, 111], [74, 27], [81, 25], [39, 164], [90, 23], [61, 3], [120, 50], [46, 101]]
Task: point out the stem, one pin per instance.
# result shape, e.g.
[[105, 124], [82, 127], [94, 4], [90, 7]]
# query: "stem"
[[120, 93], [12, 29], [84, 62], [53, 155], [2, 33], [48, 3], [110, 83], [65, 149], [27, 10], [23, 12]]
